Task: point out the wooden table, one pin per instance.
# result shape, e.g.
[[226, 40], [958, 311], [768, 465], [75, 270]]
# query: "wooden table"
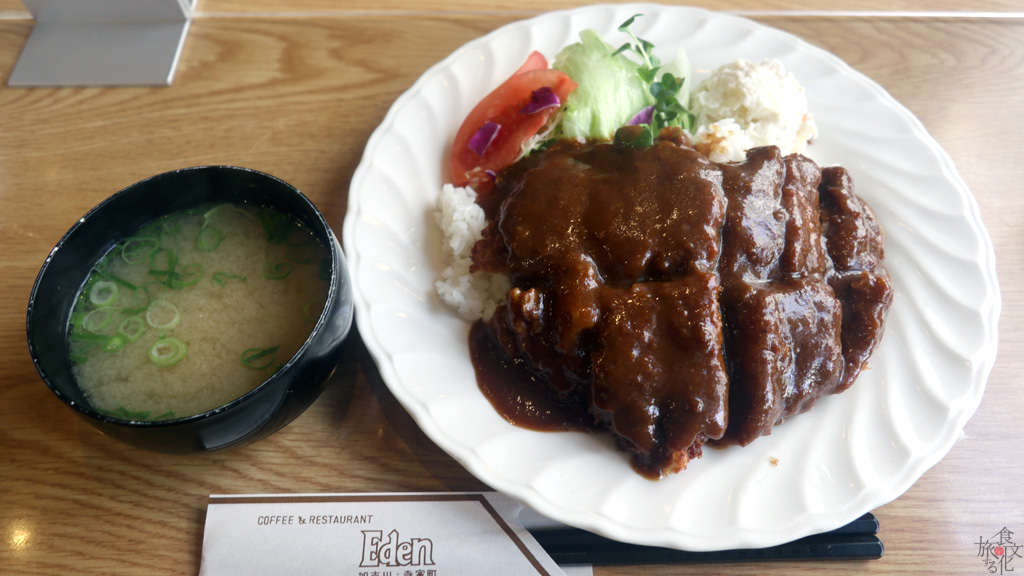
[[295, 89]]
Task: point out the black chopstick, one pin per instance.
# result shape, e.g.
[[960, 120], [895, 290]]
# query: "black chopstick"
[[857, 540]]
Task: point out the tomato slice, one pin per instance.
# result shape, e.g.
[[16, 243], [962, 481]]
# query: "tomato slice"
[[535, 61], [503, 107]]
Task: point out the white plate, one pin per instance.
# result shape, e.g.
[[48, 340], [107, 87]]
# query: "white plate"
[[850, 454]]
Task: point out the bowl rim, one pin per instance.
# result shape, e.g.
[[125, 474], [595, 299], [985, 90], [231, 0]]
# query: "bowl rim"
[[337, 264]]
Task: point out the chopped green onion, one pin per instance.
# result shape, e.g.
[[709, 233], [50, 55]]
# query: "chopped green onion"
[[114, 343], [208, 239], [132, 328], [224, 208], [277, 271], [252, 357], [169, 276], [97, 320], [189, 275], [307, 308], [167, 351], [87, 337], [126, 414], [221, 277], [170, 260], [143, 298], [115, 278], [83, 297], [170, 225], [81, 350], [275, 224], [163, 315], [212, 211], [103, 293], [166, 277], [163, 226], [104, 261]]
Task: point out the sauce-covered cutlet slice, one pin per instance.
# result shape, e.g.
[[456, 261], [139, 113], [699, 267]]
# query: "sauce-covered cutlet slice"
[[782, 319], [612, 253]]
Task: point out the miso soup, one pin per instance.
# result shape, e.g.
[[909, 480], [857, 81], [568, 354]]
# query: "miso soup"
[[195, 310]]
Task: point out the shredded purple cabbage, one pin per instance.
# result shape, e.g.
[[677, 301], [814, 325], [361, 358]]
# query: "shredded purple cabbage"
[[483, 138], [541, 99], [645, 116], [492, 174]]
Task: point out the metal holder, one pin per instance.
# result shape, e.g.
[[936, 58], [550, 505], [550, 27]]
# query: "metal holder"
[[103, 42]]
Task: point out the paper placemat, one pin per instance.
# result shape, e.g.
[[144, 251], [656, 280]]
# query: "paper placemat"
[[386, 534]]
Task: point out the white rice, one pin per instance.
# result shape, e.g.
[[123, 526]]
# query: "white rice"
[[474, 295], [744, 105]]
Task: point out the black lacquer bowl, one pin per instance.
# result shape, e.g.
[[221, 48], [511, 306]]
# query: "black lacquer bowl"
[[264, 410]]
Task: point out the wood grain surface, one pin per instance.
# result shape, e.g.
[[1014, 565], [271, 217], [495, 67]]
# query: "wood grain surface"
[[298, 97], [17, 9], [276, 6]]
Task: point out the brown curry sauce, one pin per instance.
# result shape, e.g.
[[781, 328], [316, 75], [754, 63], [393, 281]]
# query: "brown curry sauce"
[[671, 300]]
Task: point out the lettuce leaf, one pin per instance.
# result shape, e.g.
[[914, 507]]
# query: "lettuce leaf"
[[609, 90]]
